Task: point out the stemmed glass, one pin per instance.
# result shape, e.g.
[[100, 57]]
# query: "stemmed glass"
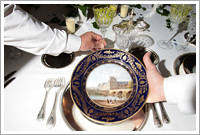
[[178, 14], [104, 15], [192, 31]]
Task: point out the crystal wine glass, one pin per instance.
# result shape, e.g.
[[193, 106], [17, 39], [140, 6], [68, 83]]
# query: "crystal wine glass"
[[104, 15], [192, 31], [178, 14]]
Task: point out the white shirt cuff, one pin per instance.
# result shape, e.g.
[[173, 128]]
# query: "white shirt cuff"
[[73, 43], [168, 90], [181, 90]]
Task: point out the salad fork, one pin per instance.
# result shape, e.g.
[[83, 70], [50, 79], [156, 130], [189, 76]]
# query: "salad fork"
[[59, 82], [47, 85]]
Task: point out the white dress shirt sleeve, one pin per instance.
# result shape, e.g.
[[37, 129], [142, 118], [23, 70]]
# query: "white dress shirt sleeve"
[[181, 90], [27, 33]]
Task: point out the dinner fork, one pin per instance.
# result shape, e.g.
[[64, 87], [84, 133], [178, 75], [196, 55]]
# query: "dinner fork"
[[59, 82], [47, 85]]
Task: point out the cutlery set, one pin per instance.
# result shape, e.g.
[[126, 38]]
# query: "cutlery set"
[[49, 84], [156, 118]]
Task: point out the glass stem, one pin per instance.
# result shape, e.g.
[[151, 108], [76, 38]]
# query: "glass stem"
[[187, 41], [103, 32], [170, 33]]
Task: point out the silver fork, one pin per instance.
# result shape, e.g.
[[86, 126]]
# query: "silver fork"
[[47, 85], [59, 82]]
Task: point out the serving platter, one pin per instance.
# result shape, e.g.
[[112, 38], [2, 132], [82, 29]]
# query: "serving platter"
[[74, 119], [109, 86]]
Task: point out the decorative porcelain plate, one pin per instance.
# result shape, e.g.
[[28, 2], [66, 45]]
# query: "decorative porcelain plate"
[[109, 86]]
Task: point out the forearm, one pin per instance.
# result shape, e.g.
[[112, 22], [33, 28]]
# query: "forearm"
[[27, 33]]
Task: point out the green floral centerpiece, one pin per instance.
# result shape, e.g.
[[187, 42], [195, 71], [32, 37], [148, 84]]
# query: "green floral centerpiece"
[[82, 12], [83, 8]]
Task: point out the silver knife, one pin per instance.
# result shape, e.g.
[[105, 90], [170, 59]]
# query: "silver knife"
[[165, 117], [9, 81], [156, 118], [9, 75]]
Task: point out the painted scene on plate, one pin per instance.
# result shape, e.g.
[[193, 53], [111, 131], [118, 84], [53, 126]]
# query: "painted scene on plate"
[[109, 85]]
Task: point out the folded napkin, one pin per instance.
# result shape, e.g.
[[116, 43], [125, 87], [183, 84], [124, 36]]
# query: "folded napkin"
[[153, 10]]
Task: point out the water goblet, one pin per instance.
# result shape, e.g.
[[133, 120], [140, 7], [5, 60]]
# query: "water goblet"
[[192, 31], [124, 36], [104, 15], [178, 14]]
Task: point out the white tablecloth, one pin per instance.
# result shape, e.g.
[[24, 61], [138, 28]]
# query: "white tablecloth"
[[23, 98]]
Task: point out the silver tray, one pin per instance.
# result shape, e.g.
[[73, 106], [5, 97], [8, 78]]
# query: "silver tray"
[[68, 111]]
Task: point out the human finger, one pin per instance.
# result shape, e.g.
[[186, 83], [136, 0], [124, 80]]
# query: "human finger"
[[104, 42], [95, 49], [98, 45], [147, 61], [98, 38]]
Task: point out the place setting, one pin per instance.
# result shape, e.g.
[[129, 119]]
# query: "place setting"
[[114, 111], [103, 102], [106, 103], [108, 89]]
